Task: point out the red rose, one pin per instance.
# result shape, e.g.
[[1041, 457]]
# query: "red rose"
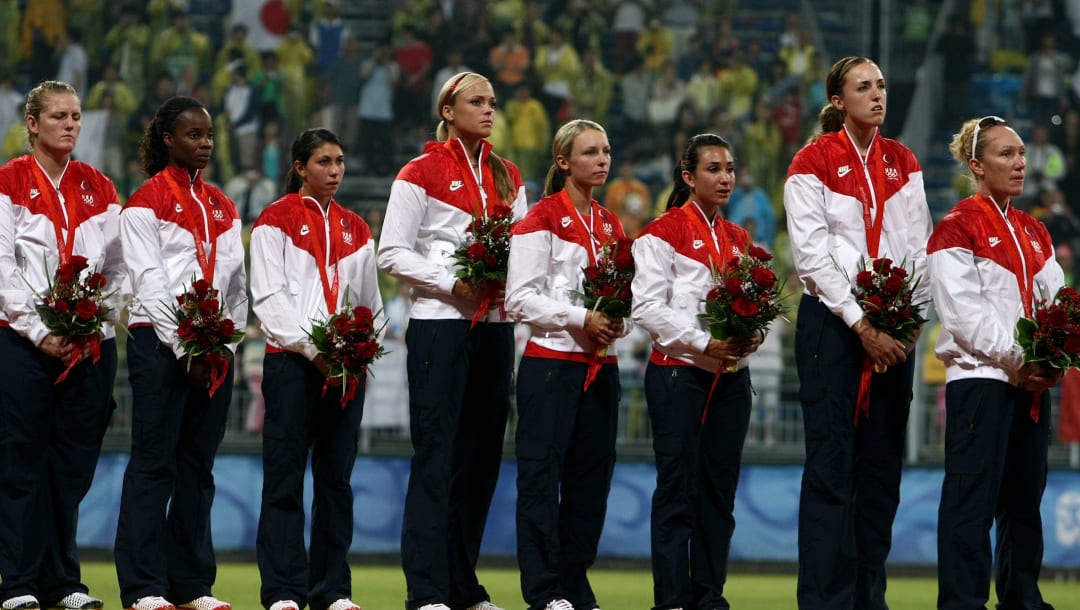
[[894, 284], [734, 286], [228, 329], [500, 211], [883, 265], [85, 309], [864, 280], [78, 263], [745, 307], [714, 294], [209, 308], [476, 251], [624, 293], [1057, 318], [491, 261], [875, 303], [760, 254], [624, 260], [899, 271], [341, 325], [366, 350], [764, 277], [591, 273], [186, 330], [65, 273], [60, 306], [1068, 296], [500, 230], [96, 281], [1072, 345], [201, 288], [606, 291]]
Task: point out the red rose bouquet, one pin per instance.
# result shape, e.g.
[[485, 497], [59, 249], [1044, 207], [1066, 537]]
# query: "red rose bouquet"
[[203, 330], [349, 342], [74, 307], [746, 297], [482, 258], [1052, 335], [606, 288], [885, 292]]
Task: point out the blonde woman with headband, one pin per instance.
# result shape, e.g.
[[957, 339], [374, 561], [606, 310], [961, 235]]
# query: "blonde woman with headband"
[[851, 196], [989, 262], [459, 375], [565, 436]]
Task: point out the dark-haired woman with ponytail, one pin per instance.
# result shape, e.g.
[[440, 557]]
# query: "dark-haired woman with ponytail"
[[852, 196], [459, 373], [175, 229], [698, 446], [566, 421], [310, 258]]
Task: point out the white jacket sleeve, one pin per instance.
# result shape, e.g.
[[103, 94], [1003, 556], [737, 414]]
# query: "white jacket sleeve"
[[398, 256], [16, 296], [921, 225], [366, 291], [652, 291], [804, 200], [527, 300], [279, 314], [962, 307], [149, 282]]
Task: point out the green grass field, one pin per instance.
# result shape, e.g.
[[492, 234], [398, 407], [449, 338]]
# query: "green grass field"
[[383, 588]]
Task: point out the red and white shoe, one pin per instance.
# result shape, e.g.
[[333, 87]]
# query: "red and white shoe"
[[285, 604], [206, 602], [152, 602]]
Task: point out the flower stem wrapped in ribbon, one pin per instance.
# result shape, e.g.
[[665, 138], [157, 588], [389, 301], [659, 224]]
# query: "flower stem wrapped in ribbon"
[[746, 298], [885, 291], [1051, 337], [348, 340], [606, 288], [203, 330], [483, 257], [74, 308]]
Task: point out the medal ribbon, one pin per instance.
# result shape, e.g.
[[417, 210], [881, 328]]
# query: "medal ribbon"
[[330, 289], [206, 263], [51, 194]]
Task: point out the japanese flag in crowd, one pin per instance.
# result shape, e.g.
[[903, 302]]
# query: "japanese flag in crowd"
[[267, 21]]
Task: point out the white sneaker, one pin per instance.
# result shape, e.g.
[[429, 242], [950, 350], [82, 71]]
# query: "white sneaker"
[[80, 601], [434, 607], [206, 602], [343, 604], [23, 602], [153, 602], [285, 604], [559, 604], [486, 605]]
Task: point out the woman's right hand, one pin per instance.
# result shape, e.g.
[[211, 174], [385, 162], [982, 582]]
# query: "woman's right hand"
[[323, 365], [880, 347], [468, 291], [1035, 377], [732, 350], [601, 328], [56, 346], [198, 372]]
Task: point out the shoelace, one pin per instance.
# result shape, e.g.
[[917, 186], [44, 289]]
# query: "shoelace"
[[559, 604], [285, 604], [154, 602], [486, 605], [343, 604]]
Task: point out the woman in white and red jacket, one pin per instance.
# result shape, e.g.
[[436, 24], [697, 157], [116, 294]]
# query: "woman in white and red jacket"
[[52, 208], [698, 443], [565, 435], [176, 230], [459, 375], [989, 263], [851, 195], [310, 258]]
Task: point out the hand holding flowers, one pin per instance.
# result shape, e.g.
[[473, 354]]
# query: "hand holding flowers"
[[1050, 340], [74, 311], [205, 334], [348, 343], [482, 259], [605, 291]]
